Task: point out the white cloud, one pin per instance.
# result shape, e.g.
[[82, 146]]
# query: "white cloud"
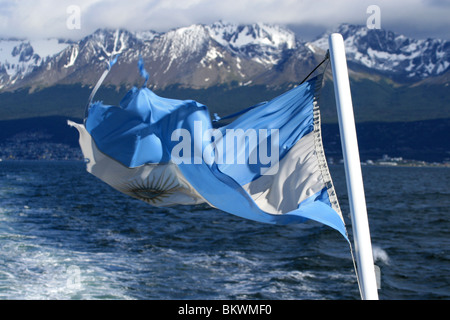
[[47, 18]]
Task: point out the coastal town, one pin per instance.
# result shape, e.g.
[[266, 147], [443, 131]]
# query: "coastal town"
[[39, 146]]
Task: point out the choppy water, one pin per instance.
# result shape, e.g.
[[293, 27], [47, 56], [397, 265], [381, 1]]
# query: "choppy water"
[[66, 235]]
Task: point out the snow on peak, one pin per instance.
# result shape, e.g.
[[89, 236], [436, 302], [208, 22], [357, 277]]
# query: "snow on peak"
[[238, 36], [261, 42], [20, 57], [186, 40], [386, 51]]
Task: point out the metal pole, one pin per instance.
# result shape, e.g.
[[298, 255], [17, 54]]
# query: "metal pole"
[[353, 174]]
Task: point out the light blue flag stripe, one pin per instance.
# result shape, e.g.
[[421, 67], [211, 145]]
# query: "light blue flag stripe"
[[291, 114]]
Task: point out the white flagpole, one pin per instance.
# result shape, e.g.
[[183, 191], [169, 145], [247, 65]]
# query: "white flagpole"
[[355, 187]]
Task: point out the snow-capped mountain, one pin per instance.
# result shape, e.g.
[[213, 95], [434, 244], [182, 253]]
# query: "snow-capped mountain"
[[201, 56], [19, 58], [196, 56], [392, 54], [260, 41]]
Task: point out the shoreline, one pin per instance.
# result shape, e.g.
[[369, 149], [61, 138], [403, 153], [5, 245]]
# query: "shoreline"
[[369, 163]]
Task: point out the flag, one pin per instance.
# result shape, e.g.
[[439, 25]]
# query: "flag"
[[267, 165]]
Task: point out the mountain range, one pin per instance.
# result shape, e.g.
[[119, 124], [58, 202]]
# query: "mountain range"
[[202, 56], [228, 67]]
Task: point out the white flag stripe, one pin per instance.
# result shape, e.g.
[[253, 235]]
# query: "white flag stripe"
[[298, 178], [157, 184]]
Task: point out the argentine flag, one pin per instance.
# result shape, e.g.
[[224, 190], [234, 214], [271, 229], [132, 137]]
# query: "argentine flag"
[[267, 165]]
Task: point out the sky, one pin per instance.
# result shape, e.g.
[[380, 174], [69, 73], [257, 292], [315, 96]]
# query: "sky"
[[74, 19]]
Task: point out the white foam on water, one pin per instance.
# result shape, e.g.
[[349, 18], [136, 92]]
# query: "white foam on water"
[[380, 255], [37, 272], [243, 275]]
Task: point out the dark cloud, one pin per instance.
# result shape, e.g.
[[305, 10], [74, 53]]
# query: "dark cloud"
[[47, 18]]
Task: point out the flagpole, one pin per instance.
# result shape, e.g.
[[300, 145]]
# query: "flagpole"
[[353, 174]]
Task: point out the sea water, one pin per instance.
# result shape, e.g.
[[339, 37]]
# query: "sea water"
[[66, 235]]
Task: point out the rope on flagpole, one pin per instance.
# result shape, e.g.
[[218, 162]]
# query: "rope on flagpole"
[[327, 57]]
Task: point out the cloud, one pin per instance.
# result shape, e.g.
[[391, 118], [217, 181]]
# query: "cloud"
[[47, 18]]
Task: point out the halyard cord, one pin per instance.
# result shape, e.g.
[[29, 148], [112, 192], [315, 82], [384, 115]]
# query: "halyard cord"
[[327, 57]]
